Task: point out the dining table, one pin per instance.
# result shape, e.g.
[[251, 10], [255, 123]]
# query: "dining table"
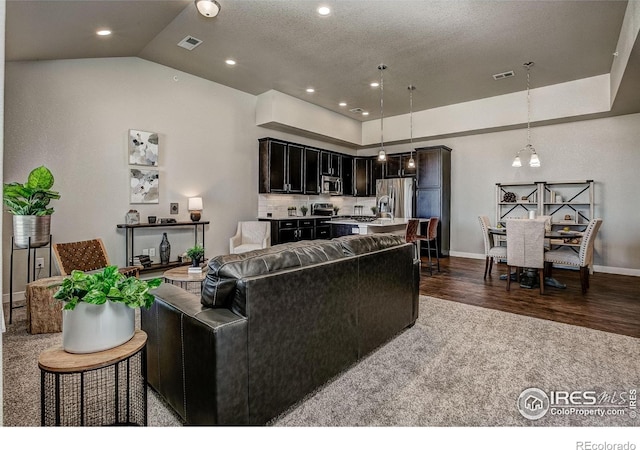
[[530, 278]]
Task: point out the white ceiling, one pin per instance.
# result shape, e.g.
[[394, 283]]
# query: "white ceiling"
[[448, 49]]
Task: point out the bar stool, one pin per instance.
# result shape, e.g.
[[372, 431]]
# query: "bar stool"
[[432, 236]]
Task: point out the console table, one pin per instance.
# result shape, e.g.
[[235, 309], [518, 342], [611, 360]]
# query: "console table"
[[130, 236], [95, 389]]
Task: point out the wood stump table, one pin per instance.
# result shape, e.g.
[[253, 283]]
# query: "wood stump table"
[[44, 313]]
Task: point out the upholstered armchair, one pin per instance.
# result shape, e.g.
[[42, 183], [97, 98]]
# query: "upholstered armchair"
[[250, 236]]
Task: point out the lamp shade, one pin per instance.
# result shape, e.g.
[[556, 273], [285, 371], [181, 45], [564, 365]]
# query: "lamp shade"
[[208, 8], [195, 204]]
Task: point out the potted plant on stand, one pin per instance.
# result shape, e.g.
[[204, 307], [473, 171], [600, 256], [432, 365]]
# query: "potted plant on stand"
[[29, 204], [99, 308], [196, 253]]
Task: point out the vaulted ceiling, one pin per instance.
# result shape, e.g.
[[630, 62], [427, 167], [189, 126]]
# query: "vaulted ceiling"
[[448, 49]]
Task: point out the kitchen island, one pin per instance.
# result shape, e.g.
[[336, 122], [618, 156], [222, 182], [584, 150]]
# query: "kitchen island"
[[341, 227]]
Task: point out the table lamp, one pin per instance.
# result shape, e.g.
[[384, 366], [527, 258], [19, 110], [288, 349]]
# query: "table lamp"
[[195, 208]]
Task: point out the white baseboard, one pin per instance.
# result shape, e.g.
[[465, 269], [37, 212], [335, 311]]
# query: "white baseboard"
[[596, 269], [18, 298]]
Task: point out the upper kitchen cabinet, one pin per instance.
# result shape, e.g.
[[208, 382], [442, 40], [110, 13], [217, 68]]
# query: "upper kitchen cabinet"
[[311, 170], [376, 173], [362, 169], [398, 166], [346, 165], [281, 167], [330, 163], [433, 190]]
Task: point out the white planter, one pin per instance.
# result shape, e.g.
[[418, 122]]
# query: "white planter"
[[92, 328]]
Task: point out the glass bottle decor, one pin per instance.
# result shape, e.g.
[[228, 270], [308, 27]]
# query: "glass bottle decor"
[[165, 249]]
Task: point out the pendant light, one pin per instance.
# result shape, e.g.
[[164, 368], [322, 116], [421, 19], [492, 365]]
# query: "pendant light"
[[381, 154], [534, 161], [412, 163]]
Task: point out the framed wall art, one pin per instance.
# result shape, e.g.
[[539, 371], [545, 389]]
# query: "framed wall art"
[[143, 148], [144, 185]]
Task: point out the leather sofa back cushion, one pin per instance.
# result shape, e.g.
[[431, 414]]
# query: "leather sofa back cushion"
[[360, 244], [220, 284]]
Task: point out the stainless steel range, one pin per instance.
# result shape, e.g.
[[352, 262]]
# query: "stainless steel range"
[[322, 209]]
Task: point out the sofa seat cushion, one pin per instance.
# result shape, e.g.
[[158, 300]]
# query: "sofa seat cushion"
[[219, 285], [356, 244]]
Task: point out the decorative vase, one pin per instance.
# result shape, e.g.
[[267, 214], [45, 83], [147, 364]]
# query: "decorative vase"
[[165, 249], [92, 328], [38, 228]]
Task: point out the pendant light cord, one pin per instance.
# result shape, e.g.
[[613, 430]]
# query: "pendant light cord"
[[528, 107], [382, 67]]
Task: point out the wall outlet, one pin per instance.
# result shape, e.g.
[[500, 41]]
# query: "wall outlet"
[[152, 252], [145, 251], [39, 263]]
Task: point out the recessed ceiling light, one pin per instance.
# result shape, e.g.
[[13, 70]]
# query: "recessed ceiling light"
[[103, 32], [324, 10], [230, 62], [343, 103], [311, 90], [365, 113], [374, 84]]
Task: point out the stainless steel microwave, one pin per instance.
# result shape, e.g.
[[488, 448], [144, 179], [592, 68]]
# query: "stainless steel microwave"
[[331, 185]]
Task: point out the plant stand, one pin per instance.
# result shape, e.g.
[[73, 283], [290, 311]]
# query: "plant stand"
[[31, 268]]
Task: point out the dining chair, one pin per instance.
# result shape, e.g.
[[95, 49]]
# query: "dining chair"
[[582, 259], [87, 256], [491, 251], [525, 247]]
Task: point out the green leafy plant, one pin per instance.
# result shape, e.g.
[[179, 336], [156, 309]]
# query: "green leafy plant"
[[196, 252], [304, 209], [31, 198], [106, 285], [374, 210]]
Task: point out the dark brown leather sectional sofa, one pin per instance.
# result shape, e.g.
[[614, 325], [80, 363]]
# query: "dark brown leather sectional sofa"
[[273, 325]]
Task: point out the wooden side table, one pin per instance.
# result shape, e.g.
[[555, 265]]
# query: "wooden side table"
[[94, 389], [186, 280], [44, 313]]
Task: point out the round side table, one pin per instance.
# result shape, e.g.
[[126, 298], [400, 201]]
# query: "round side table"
[[95, 389], [191, 282]]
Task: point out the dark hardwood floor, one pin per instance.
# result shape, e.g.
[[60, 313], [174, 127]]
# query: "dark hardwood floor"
[[611, 304]]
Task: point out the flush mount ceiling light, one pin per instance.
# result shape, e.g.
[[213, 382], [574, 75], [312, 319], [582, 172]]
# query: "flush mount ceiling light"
[[324, 10], [230, 62], [374, 84], [311, 90], [103, 32], [534, 161], [365, 113], [381, 154], [342, 103], [412, 162], [208, 8]]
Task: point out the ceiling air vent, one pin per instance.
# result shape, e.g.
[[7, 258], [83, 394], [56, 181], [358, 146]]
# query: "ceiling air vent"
[[189, 43], [499, 76], [356, 110]]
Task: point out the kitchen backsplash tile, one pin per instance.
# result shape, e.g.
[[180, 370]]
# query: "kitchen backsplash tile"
[[278, 204]]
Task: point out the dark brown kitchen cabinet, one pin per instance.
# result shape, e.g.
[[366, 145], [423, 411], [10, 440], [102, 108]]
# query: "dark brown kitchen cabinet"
[[281, 167], [330, 163], [433, 191], [346, 164], [361, 168], [292, 230], [311, 171], [397, 166], [377, 173]]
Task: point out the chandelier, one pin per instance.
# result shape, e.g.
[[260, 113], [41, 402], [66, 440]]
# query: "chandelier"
[[534, 161]]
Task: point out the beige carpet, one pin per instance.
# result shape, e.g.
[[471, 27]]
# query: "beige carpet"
[[460, 365]]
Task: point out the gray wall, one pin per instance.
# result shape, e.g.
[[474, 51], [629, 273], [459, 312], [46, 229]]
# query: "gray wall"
[[74, 115]]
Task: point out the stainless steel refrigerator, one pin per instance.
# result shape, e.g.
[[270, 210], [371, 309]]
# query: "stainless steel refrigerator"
[[394, 197]]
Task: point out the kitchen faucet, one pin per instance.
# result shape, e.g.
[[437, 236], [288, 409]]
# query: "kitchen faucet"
[[384, 206]]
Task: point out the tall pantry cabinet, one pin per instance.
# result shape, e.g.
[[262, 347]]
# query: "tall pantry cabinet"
[[433, 192]]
